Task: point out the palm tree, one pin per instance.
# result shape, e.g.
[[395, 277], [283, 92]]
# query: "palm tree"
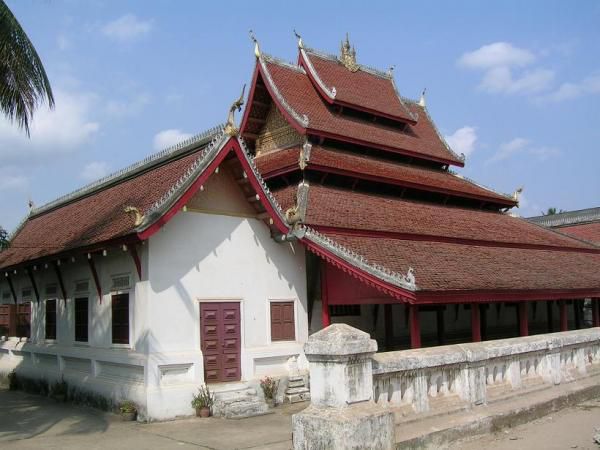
[[23, 81]]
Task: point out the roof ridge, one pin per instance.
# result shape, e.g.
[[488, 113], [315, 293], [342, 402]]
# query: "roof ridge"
[[282, 62], [579, 216], [363, 67], [460, 157], [148, 161]]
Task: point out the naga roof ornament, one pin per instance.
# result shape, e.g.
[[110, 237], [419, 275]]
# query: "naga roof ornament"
[[422, 102], [230, 127], [348, 56], [300, 43]]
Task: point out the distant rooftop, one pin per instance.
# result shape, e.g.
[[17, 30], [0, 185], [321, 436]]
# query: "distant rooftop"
[[568, 218]]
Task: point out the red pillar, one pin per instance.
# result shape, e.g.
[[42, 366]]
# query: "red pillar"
[[596, 312], [523, 319], [475, 323], [563, 315], [325, 317], [415, 328]]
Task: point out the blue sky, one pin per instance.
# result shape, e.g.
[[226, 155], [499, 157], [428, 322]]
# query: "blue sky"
[[515, 85]]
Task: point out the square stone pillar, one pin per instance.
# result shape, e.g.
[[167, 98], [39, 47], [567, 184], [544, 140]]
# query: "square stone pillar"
[[342, 414]]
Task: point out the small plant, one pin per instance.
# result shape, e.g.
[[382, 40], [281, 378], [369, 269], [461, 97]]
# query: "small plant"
[[269, 387], [127, 407], [203, 401], [59, 390]]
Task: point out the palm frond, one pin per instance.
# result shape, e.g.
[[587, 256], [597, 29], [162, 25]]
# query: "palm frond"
[[23, 81]]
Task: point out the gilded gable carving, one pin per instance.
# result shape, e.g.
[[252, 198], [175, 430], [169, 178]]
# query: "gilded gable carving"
[[276, 133]]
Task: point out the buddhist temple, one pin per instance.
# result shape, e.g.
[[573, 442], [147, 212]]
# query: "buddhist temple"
[[336, 199]]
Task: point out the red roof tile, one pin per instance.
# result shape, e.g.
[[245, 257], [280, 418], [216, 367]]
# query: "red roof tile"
[[383, 171], [93, 218], [445, 267], [362, 89], [588, 231], [332, 207], [420, 140]]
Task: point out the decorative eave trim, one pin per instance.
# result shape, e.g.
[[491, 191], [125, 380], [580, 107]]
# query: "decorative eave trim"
[[482, 186], [460, 158], [302, 120], [406, 282], [116, 177], [172, 195], [331, 93], [198, 172], [414, 116]]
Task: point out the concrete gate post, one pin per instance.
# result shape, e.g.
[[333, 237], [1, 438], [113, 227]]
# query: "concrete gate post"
[[342, 414]]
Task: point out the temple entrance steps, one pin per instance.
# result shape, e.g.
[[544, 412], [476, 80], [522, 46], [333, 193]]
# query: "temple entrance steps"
[[238, 400]]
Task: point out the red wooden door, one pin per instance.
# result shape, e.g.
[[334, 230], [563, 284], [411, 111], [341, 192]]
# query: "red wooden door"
[[220, 341]]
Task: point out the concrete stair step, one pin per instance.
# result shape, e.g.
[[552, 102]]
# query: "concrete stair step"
[[294, 384], [296, 390], [242, 409], [297, 398]]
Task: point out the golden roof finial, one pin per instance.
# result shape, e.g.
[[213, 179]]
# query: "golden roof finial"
[[348, 55], [256, 47], [230, 127], [300, 43]]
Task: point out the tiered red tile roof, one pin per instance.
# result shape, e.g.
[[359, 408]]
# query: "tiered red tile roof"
[[360, 89], [455, 250], [367, 167], [588, 231]]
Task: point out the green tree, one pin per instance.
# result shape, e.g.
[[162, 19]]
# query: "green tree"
[[23, 81], [3, 239]]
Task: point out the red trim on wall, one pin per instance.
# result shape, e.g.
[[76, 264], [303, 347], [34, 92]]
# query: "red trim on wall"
[[446, 239], [371, 280], [250, 100], [325, 313]]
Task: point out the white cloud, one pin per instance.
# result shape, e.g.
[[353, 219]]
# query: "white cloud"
[[94, 170], [523, 146], [127, 28], [10, 180], [53, 132], [570, 91], [501, 80], [503, 69], [127, 108], [167, 138], [497, 54], [463, 140]]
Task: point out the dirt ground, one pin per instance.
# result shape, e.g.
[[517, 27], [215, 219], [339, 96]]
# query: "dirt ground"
[[571, 428]]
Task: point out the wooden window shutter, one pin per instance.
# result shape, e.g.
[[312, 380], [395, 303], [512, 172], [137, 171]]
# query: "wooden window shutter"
[[283, 325]]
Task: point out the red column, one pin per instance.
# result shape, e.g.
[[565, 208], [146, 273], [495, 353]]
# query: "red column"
[[475, 323], [563, 315], [523, 319], [596, 312], [549, 316], [415, 328], [326, 319]]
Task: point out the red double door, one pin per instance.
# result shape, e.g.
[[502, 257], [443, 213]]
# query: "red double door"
[[220, 341]]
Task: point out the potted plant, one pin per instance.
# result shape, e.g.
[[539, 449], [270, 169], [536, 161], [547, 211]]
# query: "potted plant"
[[269, 387], [203, 401], [128, 410]]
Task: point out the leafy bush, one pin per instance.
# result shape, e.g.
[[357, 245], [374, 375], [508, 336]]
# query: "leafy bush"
[[127, 407], [204, 398]]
